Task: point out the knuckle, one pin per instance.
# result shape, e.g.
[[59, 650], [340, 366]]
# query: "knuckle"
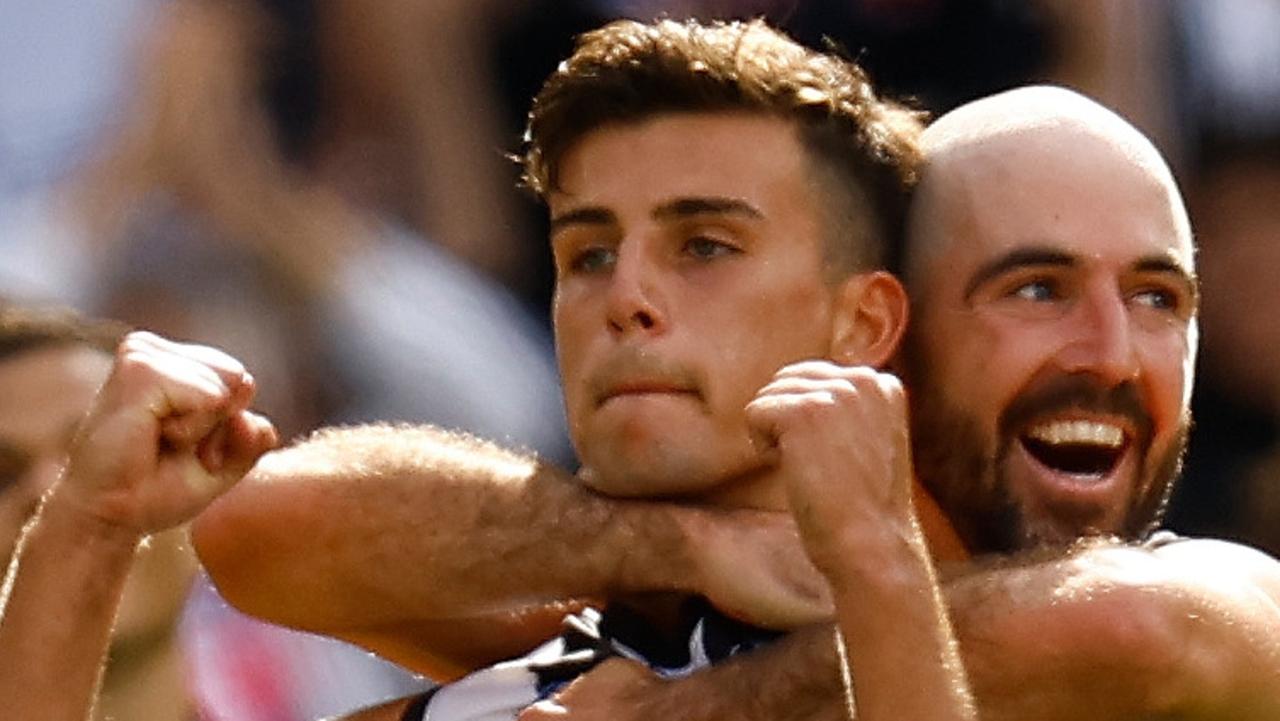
[[844, 389], [132, 361], [889, 383]]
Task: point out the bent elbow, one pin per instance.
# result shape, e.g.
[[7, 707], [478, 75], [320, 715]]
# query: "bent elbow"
[[230, 538]]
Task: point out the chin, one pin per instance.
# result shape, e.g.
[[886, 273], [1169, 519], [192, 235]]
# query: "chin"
[[655, 473], [649, 483]]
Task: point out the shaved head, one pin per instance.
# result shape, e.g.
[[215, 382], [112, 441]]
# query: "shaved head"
[[1053, 300], [1025, 126]]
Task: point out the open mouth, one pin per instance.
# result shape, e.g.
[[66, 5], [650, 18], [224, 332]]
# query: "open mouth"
[[1076, 447]]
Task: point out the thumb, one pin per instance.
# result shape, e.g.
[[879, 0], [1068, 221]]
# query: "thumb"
[[763, 429], [236, 445]]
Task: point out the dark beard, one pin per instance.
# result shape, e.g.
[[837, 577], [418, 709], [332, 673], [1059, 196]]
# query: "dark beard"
[[964, 470], [950, 461]]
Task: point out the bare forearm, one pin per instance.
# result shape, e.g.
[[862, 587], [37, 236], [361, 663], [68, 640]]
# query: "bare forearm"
[[1119, 633], [370, 526], [66, 583], [794, 679], [1107, 634], [902, 656]]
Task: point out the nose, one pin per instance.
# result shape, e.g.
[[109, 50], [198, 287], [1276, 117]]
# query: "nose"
[[1102, 342], [634, 304]]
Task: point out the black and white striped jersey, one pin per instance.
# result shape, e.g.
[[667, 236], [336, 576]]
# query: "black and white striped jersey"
[[500, 692]]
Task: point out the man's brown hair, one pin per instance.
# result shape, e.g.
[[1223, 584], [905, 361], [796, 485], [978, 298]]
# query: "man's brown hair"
[[866, 148], [26, 328]]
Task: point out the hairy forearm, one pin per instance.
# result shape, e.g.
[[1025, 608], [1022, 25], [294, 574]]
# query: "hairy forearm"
[[59, 604], [794, 679], [1108, 633], [372, 526]]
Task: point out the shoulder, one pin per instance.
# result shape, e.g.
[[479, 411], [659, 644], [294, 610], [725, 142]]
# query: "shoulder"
[[1218, 562]]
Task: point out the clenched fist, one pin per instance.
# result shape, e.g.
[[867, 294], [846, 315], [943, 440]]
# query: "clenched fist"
[[169, 431], [840, 439]]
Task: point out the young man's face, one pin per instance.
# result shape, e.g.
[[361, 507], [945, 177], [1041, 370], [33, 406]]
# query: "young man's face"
[[1051, 351], [689, 262]]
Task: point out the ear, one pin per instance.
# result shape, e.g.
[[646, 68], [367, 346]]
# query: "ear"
[[869, 320]]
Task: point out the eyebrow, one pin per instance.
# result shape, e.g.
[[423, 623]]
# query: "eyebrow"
[[676, 209], [589, 215], [691, 207], [1167, 265], [1019, 258], [1034, 257]]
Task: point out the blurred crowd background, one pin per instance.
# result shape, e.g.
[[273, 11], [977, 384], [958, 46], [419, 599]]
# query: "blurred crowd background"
[[322, 188]]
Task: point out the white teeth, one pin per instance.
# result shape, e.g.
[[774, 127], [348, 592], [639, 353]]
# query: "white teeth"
[[1078, 432]]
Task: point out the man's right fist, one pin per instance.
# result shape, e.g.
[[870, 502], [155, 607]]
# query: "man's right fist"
[[841, 441]]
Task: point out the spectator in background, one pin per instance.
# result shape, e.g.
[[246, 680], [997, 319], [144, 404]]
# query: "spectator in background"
[[402, 323], [51, 366], [217, 210], [167, 433], [164, 664], [243, 231], [1229, 102]]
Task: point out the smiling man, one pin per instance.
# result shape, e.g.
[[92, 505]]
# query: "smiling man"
[[1050, 267], [1076, 309]]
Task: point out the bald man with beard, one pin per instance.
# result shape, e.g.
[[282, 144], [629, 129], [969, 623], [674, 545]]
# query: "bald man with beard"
[[1050, 358]]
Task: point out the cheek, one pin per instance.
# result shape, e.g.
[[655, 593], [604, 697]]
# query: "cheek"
[[771, 321], [571, 344], [982, 362], [1168, 366], [994, 362]]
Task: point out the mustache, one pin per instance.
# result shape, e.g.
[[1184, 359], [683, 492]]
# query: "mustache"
[[632, 365], [1082, 392]]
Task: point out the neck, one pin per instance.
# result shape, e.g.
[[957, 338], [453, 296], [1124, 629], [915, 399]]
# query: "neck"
[[145, 680]]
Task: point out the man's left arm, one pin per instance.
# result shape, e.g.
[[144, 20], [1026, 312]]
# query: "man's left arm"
[[1108, 632], [1114, 631]]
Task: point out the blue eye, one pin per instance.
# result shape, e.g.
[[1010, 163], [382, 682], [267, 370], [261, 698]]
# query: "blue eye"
[[593, 260], [1037, 291], [705, 248], [1157, 298]]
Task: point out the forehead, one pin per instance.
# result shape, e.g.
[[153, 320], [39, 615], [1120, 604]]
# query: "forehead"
[[1077, 194], [750, 157], [44, 392]]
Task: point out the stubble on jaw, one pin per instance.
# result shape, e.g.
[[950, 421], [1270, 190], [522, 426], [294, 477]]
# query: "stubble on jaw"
[[963, 470]]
